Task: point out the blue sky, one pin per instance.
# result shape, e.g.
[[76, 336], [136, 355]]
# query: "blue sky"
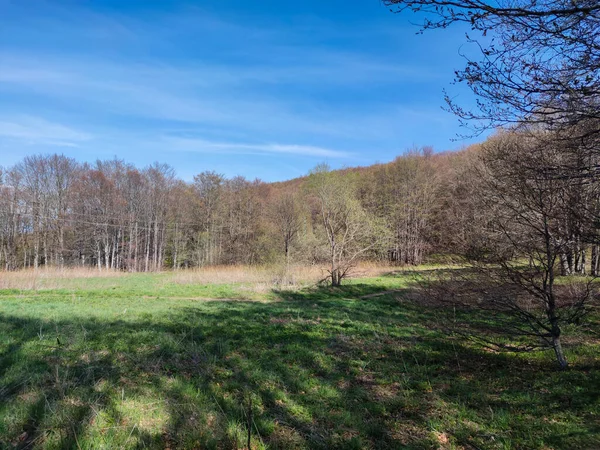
[[263, 89]]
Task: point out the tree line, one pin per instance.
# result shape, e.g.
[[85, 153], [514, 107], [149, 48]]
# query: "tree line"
[[55, 211], [111, 215]]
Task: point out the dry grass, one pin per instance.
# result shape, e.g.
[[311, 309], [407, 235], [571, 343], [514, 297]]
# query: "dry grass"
[[268, 276], [51, 277], [254, 278]]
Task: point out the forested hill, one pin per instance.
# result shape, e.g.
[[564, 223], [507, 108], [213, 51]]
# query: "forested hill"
[[110, 214]]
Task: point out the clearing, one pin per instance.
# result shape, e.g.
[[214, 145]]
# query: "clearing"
[[111, 361]]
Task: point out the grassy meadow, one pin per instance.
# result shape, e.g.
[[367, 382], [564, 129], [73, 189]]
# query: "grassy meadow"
[[212, 358]]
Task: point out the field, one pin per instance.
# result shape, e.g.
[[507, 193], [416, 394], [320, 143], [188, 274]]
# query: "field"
[[199, 359]]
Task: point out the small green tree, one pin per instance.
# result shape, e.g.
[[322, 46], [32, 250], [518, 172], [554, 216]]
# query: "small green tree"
[[349, 232]]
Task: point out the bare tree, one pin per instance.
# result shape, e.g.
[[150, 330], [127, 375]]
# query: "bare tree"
[[63, 172], [10, 218], [242, 212], [539, 60], [519, 245], [182, 203], [411, 190], [33, 171], [161, 178], [209, 188], [349, 231], [285, 213]]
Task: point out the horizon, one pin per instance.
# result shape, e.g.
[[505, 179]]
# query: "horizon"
[[263, 91], [91, 165]]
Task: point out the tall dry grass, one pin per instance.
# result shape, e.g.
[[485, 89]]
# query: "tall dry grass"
[[246, 274], [51, 277], [256, 278], [268, 276]]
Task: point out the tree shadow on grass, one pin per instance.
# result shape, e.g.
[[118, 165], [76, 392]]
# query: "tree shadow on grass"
[[322, 368]]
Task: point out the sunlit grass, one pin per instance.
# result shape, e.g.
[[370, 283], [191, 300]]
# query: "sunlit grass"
[[145, 360]]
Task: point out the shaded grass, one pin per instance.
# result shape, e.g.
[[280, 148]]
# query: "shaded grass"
[[145, 363]]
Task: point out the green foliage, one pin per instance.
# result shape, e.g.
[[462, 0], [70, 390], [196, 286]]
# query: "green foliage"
[[137, 362], [347, 231]]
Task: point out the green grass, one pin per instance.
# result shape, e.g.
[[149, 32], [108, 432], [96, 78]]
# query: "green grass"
[[140, 362]]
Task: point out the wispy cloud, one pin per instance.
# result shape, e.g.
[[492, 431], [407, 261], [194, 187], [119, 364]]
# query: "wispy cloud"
[[189, 82], [206, 146], [35, 130], [219, 97]]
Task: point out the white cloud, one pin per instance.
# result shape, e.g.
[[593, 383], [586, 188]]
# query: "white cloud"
[[249, 90], [207, 146], [35, 130], [211, 96]]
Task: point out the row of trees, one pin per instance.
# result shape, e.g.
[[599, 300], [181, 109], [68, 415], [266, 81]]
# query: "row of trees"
[[111, 215], [54, 211]]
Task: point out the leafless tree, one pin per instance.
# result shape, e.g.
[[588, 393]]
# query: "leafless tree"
[[412, 192], [539, 60], [286, 215], [209, 188], [518, 248], [10, 218]]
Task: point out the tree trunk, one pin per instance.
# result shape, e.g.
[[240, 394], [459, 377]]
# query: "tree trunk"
[[564, 265], [155, 250], [558, 351], [595, 260], [581, 268], [113, 253], [569, 262], [135, 253], [98, 255], [147, 262], [61, 244], [36, 253], [176, 247], [107, 253]]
